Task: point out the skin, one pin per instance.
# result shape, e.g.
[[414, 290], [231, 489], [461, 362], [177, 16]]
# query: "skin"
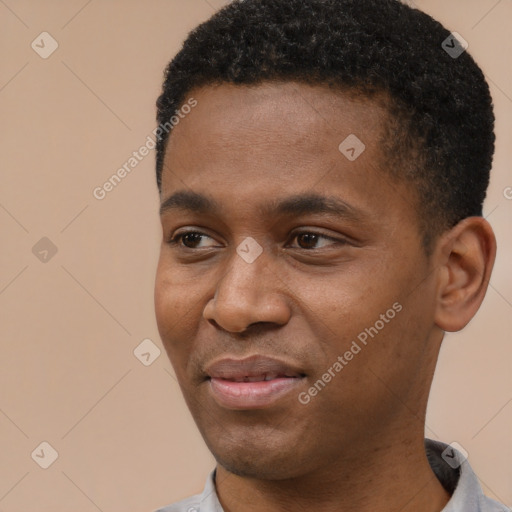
[[358, 444]]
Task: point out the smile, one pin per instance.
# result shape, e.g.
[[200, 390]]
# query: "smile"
[[256, 392], [255, 382]]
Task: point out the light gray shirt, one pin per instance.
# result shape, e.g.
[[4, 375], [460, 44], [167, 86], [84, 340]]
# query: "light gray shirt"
[[448, 464]]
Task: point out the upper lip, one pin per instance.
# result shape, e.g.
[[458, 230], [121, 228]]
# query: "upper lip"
[[254, 366]]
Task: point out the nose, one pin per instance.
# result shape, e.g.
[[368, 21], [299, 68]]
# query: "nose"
[[246, 294]]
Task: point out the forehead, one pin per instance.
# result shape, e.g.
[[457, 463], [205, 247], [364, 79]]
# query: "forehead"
[[295, 123], [297, 110], [245, 147]]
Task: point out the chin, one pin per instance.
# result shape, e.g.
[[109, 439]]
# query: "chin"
[[264, 461], [263, 468]]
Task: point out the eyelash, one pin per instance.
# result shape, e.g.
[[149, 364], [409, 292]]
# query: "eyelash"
[[175, 241]]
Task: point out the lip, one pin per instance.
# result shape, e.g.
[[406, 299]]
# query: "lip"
[[229, 385]]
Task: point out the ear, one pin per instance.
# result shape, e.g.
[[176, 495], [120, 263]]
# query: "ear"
[[466, 256]]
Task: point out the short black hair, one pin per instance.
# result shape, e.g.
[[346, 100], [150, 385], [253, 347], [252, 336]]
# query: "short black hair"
[[440, 131]]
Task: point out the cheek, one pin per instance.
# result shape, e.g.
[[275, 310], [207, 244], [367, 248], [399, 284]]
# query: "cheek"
[[360, 316], [176, 292], [345, 304], [175, 307], [165, 300]]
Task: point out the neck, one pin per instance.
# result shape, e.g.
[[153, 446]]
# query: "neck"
[[387, 477]]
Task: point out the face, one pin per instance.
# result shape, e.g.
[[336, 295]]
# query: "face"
[[290, 258]]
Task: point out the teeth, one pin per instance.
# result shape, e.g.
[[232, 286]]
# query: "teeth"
[[257, 378], [263, 377], [253, 379]]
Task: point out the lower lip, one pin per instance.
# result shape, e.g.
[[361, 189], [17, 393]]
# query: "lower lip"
[[251, 395]]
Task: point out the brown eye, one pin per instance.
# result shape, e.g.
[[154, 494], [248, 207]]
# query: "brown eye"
[[188, 239], [191, 239], [309, 240]]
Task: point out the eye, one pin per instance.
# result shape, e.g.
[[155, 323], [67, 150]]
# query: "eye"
[[188, 239], [308, 239]]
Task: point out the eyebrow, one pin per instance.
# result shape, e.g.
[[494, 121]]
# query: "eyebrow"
[[300, 204]]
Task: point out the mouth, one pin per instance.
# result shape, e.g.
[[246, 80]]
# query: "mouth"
[[253, 383], [258, 377]]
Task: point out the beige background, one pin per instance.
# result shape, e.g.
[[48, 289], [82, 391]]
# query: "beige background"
[[69, 326]]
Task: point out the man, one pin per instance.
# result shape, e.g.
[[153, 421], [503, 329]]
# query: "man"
[[321, 186]]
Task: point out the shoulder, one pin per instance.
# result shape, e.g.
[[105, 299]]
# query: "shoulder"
[[190, 504], [490, 505], [207, 501]]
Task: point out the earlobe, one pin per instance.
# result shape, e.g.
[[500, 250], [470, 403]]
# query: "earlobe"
[[467, 253]]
